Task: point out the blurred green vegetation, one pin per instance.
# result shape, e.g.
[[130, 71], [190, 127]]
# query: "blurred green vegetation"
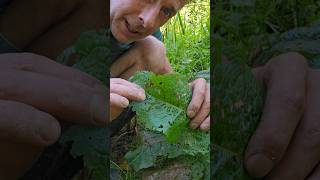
[[187, 38]]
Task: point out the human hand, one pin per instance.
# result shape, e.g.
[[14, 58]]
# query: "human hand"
[[34, 91], [64, 92], [148, 54], [121, 91], [199, 107], [286, 144]]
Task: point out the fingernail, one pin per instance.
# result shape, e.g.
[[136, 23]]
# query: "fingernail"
[[124, 102], [205, 126], [259, 165], [193, 125], [142, 95], [99, 109], [52, 130]]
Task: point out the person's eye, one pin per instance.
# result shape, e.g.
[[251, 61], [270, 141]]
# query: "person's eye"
[[167, 12]]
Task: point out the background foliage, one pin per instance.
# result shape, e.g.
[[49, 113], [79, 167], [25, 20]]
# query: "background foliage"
[[187, 38]]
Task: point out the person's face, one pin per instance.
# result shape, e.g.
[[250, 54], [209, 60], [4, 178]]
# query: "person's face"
[[131, 20]]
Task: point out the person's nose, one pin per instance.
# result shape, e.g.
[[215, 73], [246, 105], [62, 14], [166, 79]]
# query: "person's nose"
[[148, 18]]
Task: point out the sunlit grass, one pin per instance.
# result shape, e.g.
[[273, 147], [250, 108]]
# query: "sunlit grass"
[[186, 37]]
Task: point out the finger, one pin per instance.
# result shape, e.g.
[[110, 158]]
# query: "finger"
[[285, 79], [40, 64], [70, 101], [205, 125], [166, 68], [303, 154], [131, 71], [163, 69], [203, 112], [117, 105], [118, 101], [128, 92], [24, 124], [316, 174], [123, 82], [198, 96], [124, 63]]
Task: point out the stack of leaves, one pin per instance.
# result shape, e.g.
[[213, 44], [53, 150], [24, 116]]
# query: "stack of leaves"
[[163, 126], [237, 106]]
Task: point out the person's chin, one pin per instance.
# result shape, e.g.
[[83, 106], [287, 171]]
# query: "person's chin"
[[120, 38]]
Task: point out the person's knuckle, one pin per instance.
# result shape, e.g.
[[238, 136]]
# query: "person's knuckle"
[[293, 100], [201, 94], [114, 88], [197, 121], [195, 107], [66, 96]]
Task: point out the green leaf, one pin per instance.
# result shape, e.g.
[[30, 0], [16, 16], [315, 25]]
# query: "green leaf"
[[155, 114], [92, 51], [164, 108], [90, 144], [154, 149], [140, 158]]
